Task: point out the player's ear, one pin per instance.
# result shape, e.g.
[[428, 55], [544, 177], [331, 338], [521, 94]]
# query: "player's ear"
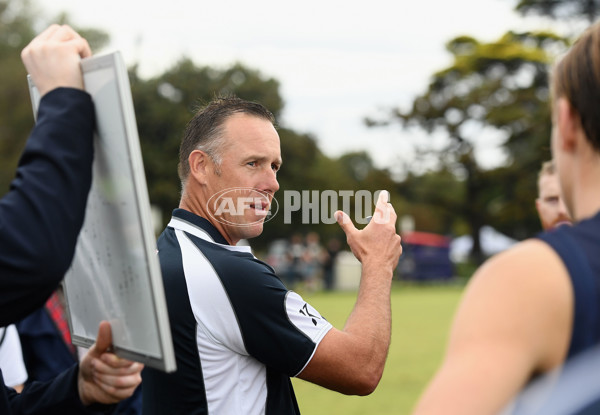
[[198, 161], [569, 124]]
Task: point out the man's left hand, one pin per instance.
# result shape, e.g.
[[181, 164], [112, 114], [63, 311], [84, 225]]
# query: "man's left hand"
[[103, 376]]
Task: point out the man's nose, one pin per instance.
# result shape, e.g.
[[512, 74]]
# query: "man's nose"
[[562, 208], [271, 184]]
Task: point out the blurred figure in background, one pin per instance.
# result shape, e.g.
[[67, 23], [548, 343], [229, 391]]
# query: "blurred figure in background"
[[332, 250], [46, 340], [549, 204], [296, 254], [313, 259], [48, 350]]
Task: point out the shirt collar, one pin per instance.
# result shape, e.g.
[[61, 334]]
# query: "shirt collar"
[[196, 225]]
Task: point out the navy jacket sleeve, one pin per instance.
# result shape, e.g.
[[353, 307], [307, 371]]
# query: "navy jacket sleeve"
[[56, 397], [42, 214]]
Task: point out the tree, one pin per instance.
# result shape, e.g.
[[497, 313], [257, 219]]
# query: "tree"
[[16, 117], [560, 9], [17, 21], [501, 88], [434, 197]]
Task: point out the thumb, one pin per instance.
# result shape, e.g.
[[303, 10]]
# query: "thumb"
[[104, 338], [345, 222]]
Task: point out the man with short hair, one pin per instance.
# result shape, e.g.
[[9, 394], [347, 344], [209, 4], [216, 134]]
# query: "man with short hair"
[[549, 204], [239, 334]]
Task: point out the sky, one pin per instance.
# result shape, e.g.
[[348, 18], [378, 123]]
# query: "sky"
[[337, 61]]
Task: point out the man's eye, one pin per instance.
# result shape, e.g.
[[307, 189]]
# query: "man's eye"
[[251, 163], [275, 167], [551, 200]]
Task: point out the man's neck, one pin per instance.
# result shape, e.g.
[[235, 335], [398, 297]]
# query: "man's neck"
[[197, 208]]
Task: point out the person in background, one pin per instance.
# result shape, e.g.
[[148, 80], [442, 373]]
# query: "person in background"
[[48, 350], [296, 253], [314, 258], [333, 249], [46, 340], [535, 306], [549, 204], [40, 219]]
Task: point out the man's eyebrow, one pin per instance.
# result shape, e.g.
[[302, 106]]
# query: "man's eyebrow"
[[263, 158]]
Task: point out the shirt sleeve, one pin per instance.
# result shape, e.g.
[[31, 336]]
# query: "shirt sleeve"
[[279, 328], [59, 396], [42, 214]]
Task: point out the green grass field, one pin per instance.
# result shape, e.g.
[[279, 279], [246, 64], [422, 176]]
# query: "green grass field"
[[421, 317]]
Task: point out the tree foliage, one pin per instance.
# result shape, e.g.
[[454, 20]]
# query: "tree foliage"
[[17, 21], [16, 118], [561, 9], [502, 88]]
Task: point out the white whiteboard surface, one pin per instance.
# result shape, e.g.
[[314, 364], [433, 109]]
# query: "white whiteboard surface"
[[115, 274]]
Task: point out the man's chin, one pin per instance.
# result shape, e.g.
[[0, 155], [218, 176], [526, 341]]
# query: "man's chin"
[[251, 233], [251, 229]]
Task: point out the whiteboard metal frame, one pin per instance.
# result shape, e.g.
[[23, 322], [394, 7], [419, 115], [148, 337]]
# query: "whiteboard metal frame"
[[123, 345]]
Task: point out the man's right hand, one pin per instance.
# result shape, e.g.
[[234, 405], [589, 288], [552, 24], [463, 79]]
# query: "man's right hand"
[[352, 360], [53, 58], [377, 244]]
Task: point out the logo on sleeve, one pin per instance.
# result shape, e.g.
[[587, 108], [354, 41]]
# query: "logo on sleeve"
[[305, 317], [304, 311]]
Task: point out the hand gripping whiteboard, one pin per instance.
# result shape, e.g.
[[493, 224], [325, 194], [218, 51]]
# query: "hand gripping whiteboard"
[[115, 274]]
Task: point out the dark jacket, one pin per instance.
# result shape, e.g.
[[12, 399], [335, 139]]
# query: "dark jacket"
[[40, 218], [46, 355]]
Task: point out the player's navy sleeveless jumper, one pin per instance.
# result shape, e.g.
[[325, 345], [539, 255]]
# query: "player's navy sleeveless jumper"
[[579, 248]]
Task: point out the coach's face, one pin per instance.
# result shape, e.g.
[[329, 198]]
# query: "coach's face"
[[241, 189]]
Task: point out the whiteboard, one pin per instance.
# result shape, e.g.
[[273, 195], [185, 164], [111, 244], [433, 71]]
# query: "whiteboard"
[[115, 274]]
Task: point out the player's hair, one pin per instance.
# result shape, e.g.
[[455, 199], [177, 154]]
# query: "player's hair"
[[205, 130], [548, 167], [576, 77]]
